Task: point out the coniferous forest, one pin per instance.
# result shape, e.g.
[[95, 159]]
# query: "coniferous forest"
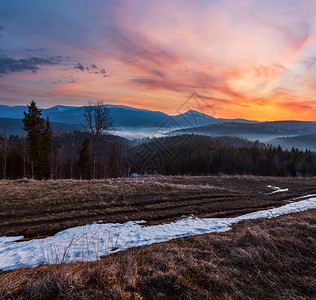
[[43, 154], [200, 155]]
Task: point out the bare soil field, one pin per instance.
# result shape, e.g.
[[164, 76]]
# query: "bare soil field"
[[42, 208], [258, 259]]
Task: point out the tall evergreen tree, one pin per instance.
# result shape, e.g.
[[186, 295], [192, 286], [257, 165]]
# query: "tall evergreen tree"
[[84, 159], [34, 125]]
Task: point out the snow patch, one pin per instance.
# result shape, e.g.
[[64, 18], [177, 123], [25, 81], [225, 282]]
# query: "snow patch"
[[90, 242], [277, 189], [8, 239]]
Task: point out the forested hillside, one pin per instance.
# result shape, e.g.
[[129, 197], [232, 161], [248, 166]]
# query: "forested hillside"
[[200, 155]]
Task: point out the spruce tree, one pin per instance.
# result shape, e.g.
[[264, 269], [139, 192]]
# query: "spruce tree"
[[34, 125]]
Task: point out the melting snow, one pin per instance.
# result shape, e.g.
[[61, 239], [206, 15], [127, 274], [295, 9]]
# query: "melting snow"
[[90, 242], [277, 189]]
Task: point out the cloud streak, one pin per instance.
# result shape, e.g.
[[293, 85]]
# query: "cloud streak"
[[11, 65]]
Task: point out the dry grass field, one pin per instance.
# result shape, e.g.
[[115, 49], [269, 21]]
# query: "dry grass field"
[[263, 259], [41, 208], [259, 259]]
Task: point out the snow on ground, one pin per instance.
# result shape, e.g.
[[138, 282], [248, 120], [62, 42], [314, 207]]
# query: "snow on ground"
[[277, 189], [90, 242], [8, 239], [302, 197]]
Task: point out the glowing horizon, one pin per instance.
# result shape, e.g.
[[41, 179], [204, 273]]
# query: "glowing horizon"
[[248, 59]]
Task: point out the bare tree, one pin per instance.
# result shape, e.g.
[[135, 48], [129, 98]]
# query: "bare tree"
[[61, 160], [4, 127], [24, 146], [73, 151], [98, 121]]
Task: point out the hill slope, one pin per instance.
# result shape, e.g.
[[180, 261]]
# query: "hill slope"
[[302, 142], [203, 155]]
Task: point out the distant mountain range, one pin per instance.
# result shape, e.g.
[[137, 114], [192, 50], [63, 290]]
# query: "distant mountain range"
[[135, 123], [124, 118]]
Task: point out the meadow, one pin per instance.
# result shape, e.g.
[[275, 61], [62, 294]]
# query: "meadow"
[[42, 208], [257, 259]]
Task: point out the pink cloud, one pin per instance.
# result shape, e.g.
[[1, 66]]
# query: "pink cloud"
[[242, 55]]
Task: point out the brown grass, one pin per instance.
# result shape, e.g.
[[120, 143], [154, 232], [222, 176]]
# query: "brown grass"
[[262, 259], [41, 208]]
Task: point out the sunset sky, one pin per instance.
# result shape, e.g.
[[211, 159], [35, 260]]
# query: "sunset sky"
[[247, 59]]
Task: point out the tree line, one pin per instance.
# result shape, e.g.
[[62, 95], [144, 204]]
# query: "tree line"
[[201, 155]]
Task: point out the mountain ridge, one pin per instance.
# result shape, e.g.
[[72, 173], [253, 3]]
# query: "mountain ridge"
[[123, 116]]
